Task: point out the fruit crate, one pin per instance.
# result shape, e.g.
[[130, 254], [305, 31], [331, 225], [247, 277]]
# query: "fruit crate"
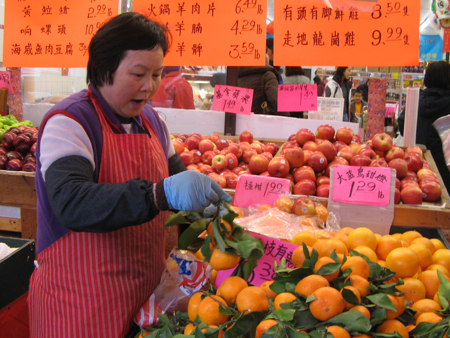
[[425, 232], [16, 269]]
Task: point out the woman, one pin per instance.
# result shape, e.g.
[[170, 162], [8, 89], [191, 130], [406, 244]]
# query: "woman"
[[340, 87], [295, 75], [320, 85], [103, 163]]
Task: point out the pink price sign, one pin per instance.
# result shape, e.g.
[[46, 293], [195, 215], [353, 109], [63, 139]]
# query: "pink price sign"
[[301, 97], [252, 190], [5, 81], [274, 250], [234, 100], [361, 185]]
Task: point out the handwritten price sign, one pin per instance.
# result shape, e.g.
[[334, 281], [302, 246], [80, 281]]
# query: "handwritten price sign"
[[253, 190], [233, 99], [297, 97], [274, 250], [361, 185]]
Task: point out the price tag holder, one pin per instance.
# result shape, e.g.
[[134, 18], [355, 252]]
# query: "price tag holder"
[[252, 190], [234, 100], [5, 81], [301, 97], [363, 197], [274, 250]]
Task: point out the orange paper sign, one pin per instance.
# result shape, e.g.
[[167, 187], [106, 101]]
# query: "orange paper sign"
[[347, 32], [211, 33], [52, 33]]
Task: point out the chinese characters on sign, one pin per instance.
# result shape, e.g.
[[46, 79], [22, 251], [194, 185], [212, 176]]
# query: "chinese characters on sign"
[[254, 190], [52, 33], [5, 82], [211, 33], [347, 32], [361, 185], [233, 99], [328, 108], [300, 97]]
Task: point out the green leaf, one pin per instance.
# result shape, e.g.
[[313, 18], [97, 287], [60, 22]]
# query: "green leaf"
[[293, 333], [328, 269], [245, 324], [314, 258], [382, 300], [305, 319], [375, 270], [277, 287], [352, 321], [334, 256], [198, 333], [190, 235], [377, 316], [310, 299], [216, 227], [164, 319], [300, 273], [285, 315], [175, 219], [444, 286], [206, 251], [248, 268], [250, 248], [422, 329], [272, 332], [442, 301], [350, 297], [438, 332], [225, 311], [305, 251], [386, 335]]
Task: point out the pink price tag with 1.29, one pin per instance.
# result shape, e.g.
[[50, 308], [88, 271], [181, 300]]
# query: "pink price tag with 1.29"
[[231, 99], [252, 190], [361, 185]]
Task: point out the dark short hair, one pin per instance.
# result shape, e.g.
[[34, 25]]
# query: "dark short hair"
[[438, 75], [291, 71], [317, 79], [339, 74], [124, 32], [269, 43], [359, 91]]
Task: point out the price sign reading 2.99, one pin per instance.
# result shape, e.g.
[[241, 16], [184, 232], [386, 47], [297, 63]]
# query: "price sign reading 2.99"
[[361, 185]]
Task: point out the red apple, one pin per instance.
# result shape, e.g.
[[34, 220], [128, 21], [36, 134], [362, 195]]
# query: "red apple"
[[271, 148], [191, 143], [219, 162], [400, 166], [305, 187], [306, 155], [232, 161], [243, 165], [347, 153], [192, 167], [304, 172], [292, 138], [246, 136], [425, 172], [360, 161], [317, 161], [256, 146], [196, 156], [3, 160], [236, 170], [14, 165], [355, 147], [187, 157], [33, 149], [427, 179], [397, 196], [414, 149], [244, 146], [29, 158], [295, 157], [182, 137], [322, 180], [356, 139], [278, 167], [328, 149], [382, 142], [222, 144], [379, 162], [304, 206], [394, 152], [411, 195], [325, 132], [265, 174], [208, 156], [368, 153], [304, 135], [3, 150], [235, 149], [14, 155], [198, 136], [29, 167], [206, 169], [323, 190], [267, 155], [258, 164], [248, 154], [205, 145], [225, 172], [413, 160], [338, 145], [337, 161], [232, 181], [289, 177], [244, 172], [405, 182], [411, 175], [431, 191], [398, 184], [344, 134], [222, 181], [214, 138], [310, 145], [8, 140]]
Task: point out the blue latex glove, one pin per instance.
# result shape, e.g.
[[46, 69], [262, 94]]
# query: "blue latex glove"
[[193, 191]]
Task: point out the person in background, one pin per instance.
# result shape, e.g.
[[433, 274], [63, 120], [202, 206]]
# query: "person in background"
[[295, 75], [340, 87], [107, 174], [269, 52], [365, 90], [357, 106], [216, 79], [174, 92], [320, 85], [434, 102]]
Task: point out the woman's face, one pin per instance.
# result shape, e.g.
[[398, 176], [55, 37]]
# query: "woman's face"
[[347, 73], [135, 81]]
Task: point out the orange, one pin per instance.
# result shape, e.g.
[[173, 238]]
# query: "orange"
[[230, 288], [381, 263], [284, 204], [340, 236], [442, 257], [225, 228], [199, 255], [424, 254], [409, 236], [223, 260], [361, 309], [324, 234], [428, 317], [251, 299], [392, 326], [284, 297], [298, 256], [266, 287], [309, 284], [425, 305], [413, 289], [431, 282], [439, 267], [397, 235], [360, 284], [324, 261], [193, 304], [304, 237], [264, 326], [237, 210], [385, 245], [265, 207], [328, 303], [327, 246], [355, 291], [403, 261], [362, 236], [425, 241], [399, 303], [404, 244], [208, 310], [437, 244], [361, 336], [378, 236], [338, 332], [410, 327], [321, 212], [188, 329], [346, 230], [358, 266], [213, 277], [368, 252]]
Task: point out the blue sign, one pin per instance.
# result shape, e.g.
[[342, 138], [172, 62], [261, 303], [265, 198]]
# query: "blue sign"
[[431, 48]]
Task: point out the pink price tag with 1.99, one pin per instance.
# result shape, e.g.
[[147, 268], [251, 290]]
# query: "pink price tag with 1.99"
[[361, 185], [234, 100]]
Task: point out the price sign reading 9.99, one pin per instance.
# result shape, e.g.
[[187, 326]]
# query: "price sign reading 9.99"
[[354, 32], [211, 33]]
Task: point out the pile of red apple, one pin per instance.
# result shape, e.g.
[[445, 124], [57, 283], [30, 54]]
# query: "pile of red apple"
[[306, 158], [18, 148]]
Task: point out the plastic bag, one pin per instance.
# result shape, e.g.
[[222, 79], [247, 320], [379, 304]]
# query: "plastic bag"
[[185, 274]]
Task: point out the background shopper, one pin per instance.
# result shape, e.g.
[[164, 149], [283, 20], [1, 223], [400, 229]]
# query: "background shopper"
[[320, 85], [340, 87], [296, 75], [357, 106]]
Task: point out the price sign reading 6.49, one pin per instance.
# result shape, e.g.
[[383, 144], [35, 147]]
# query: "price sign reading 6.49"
[[361, 185]]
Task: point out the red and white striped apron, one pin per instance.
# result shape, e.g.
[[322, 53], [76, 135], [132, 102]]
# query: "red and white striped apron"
[[92, 284]]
